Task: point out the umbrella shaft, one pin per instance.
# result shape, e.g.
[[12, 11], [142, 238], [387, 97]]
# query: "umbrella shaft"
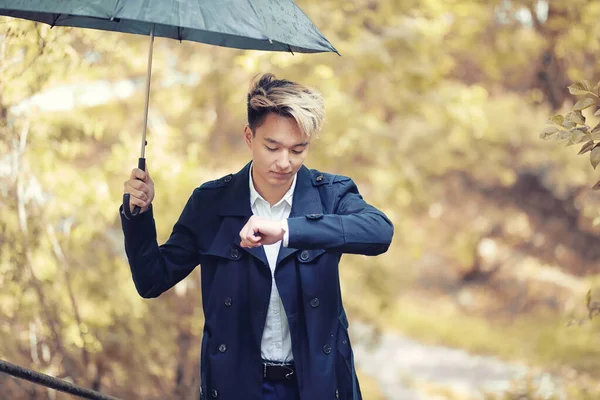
[[148, 76]]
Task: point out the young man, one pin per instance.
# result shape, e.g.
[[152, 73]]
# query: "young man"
[[269, 239]]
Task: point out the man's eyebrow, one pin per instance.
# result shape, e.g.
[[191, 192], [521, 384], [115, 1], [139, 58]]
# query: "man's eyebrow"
[[273, 141]]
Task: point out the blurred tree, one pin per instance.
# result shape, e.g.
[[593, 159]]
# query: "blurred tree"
[[430, 109], [67, 301]]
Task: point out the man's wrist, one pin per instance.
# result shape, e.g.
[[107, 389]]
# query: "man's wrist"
[[142, 211], [286, 234]]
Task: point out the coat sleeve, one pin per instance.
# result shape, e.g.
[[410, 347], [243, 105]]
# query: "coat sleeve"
[[354, 226], [154, 268]]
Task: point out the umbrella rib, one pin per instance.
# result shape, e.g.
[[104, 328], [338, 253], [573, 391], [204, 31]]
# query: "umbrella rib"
[[55, 21], [259, 19], [115, 11]]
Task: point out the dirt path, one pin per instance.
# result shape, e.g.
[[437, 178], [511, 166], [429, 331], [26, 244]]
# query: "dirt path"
[[398, 363]]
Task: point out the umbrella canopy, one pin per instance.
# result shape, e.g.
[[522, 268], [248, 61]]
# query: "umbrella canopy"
[[271, 25]]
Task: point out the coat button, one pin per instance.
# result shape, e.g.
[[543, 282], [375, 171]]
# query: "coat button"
[[304, 255], [222, 348], [314, 216], [327, 349], [228, 302], [319, 178], [235, 253], [314, 303], [214, 393], [337, 394], [227, 178]]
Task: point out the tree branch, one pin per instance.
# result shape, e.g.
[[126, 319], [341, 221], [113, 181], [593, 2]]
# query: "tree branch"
[[62, 260], [69, 364]]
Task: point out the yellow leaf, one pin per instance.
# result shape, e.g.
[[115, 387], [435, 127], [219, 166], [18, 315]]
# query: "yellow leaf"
[[583, 104], [548, 132], [586, 147], [588, 298], [595, 156], [580, 88]]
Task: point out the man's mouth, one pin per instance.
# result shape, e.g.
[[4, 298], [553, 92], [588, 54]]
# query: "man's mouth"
[[281, 175]]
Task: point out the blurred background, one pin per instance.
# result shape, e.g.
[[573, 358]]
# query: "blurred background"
[[434, 108]]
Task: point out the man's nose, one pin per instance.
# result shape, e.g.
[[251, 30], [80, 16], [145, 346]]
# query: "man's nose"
[[283, 162]]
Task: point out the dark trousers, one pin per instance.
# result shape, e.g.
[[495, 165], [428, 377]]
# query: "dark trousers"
[[280, 390]]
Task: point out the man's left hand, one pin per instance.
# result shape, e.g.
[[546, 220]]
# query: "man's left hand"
[[260, 231]]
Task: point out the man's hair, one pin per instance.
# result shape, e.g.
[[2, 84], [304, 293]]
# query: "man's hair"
[[286, 98]]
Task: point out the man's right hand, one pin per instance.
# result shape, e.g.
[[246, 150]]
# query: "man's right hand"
[[140, 188]]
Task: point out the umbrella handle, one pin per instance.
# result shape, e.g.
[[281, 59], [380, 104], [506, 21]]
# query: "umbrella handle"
[[136, 209]]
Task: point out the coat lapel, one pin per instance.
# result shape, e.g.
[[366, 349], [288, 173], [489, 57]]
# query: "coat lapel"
[[236, 204], [306, 201]]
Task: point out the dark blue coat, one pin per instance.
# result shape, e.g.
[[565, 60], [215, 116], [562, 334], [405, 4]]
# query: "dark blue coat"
[[328, 218]]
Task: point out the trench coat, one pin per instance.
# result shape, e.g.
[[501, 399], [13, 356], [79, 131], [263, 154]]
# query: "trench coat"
[[328, 218]]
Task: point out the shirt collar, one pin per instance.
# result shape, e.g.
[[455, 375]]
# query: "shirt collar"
[[254, 195]]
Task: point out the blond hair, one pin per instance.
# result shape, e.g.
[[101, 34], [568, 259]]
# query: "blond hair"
[[271, 95]]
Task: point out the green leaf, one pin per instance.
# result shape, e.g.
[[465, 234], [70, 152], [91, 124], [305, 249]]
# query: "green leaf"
[[583, 104], [548, 131], [597, 113], [586, 147], [568, 124], [595, 156], [580, 88], [557, 119]]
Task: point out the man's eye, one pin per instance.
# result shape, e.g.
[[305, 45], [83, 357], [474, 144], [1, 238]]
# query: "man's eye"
[[297, 151], [270, 149]]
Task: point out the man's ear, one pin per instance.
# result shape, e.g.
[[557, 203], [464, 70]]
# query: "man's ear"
[[248, 135]]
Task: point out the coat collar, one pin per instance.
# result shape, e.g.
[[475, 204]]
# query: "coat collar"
[[236, 203], [255, 196], [236, 199]]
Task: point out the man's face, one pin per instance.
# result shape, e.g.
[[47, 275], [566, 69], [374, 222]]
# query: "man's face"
[[278, 150]]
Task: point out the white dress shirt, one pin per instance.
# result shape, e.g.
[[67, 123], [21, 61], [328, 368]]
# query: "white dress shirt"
[[276, 344]]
